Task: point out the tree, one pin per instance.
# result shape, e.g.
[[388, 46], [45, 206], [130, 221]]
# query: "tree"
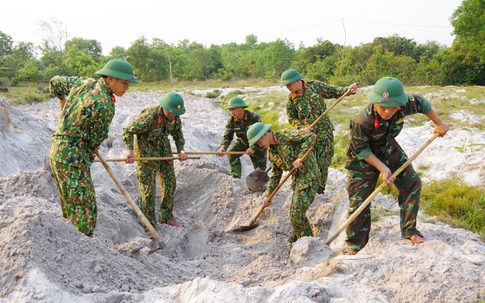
[[469, 26], [6, 43], [55, 34], [91, 47]]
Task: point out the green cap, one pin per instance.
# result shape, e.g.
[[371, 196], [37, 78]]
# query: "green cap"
[[290, 76], [388, 92], [119, 69], [256, 131], [236, 102], [173, 103]]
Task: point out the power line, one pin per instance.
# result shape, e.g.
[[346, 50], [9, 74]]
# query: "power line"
[[353, 20]]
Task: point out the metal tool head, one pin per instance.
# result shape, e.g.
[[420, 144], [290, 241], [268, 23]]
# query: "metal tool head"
[[245, 228], [256, 180]]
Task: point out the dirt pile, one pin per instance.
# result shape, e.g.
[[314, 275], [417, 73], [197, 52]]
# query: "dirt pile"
[[43, 258]]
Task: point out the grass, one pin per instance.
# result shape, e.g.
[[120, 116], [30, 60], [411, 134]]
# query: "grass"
[[456, 203], [449, 200]]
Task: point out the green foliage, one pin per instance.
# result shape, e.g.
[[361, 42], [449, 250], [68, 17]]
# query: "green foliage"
[[456, 203], [214, 94], [25, 95], [340, 142]]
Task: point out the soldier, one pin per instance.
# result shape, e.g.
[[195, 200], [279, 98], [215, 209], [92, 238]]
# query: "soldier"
[[373, 150], [305, 103], [238, 124], [286, 148], [152, 128], [88, 106]]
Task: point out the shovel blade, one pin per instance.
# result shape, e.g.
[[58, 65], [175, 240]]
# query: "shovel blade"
[[256, 180], [245, 228]]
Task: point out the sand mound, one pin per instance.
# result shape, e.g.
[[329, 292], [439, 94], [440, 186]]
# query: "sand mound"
[[43, 258]]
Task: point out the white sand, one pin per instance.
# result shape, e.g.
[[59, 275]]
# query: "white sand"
[[44, 259]]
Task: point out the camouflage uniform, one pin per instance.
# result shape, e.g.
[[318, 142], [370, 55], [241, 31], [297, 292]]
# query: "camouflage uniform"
[[152, 128], [240, 127], [304, 110], [83, 126], [371, 134], [290, 145]]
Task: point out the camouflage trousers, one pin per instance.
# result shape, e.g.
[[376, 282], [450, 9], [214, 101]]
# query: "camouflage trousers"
[[323, 150], [361, 184], [300, 202], [77, 195], [147, 181], [258, 158]]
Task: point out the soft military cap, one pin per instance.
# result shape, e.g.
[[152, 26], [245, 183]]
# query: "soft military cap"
[[173, 103], [290, 76], [388, 92], [119, 69], [236, 102], [256, 131]]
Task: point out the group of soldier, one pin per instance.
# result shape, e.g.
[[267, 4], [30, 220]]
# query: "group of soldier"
[[88, 108]]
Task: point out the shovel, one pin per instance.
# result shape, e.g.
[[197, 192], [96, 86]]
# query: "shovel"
[[257, 179], [144, 159], [253, 225], [376, 191], [138, 212]]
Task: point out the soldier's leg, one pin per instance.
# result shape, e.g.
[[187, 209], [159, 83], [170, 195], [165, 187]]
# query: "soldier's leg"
[[259, 158], [360, 185], [147, 183], [409, 185], [300, 202], [168, 186], [77, 195], [324, 152], [234, 161]]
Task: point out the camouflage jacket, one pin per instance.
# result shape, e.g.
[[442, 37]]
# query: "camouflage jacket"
[[304, 110], [290, 145], [239, 127], [84, 121], [369, 133], [152, 128]]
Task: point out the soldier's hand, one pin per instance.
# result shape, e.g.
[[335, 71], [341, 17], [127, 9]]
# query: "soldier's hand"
[[130, 158], [386, 175], [266, 202], [182, 156], [249, 151], [220, 151], [297, 163], [353, 87]]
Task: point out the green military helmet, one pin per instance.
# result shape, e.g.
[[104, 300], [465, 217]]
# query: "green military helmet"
[[119, 69], [290, 76], [388, 92], [173, 103], [236, 102], [256, 131]]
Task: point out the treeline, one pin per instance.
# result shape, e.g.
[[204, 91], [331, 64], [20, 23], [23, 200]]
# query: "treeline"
[[415, 64]]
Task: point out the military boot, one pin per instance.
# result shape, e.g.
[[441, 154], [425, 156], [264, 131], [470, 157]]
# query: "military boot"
[[236, 170]]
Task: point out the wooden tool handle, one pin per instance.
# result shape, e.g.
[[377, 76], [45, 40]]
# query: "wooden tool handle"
[[125, 193]]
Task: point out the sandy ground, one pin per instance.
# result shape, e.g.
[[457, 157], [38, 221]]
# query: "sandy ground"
[[44, 259]]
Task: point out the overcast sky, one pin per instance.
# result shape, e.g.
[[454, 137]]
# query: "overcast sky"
[[120, 23]]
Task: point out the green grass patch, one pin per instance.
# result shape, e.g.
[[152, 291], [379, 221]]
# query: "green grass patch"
[[456, 203]]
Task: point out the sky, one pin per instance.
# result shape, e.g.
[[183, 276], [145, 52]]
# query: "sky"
[[344, 22]]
